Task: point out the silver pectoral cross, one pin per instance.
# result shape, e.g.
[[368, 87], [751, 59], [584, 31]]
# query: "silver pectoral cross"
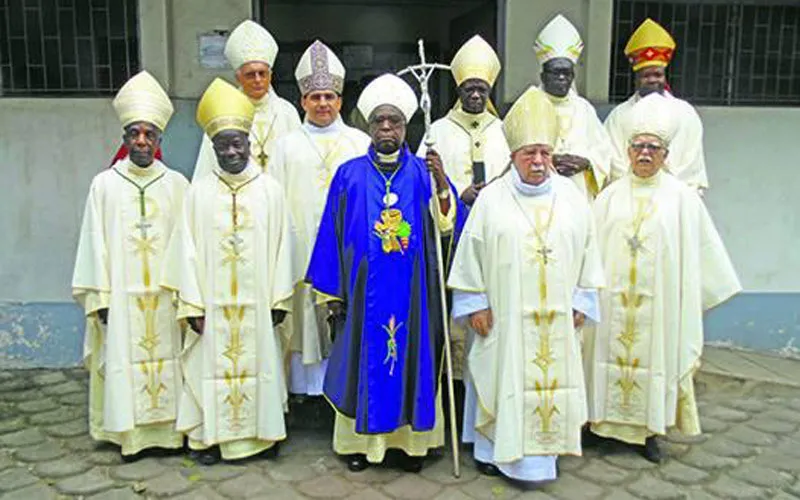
[[635, 243], [543, 253], [143, 226]]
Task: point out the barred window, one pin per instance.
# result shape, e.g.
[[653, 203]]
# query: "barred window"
[[733, 53], [67, 47]]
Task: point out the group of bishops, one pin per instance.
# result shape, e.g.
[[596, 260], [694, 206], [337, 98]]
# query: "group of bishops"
[[310, 258]]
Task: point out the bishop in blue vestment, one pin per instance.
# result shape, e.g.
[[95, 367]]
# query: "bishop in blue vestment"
[[375, 262]]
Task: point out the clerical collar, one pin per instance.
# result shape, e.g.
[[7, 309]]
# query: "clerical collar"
[[470, 122], [555, 99], [647, 181], [152, 169], [250, 171], [264, 101], [529, 189], [317, 130]]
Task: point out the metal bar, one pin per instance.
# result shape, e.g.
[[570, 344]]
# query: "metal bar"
[[792, 70], [25, 40], [125, 31], [108, 46], [42, 50], [10, 83], [60, 50], [76, 53], [698, 57], [751, 90], [92, 43]]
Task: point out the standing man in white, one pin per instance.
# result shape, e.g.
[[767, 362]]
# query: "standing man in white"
[[304, 162], [251, 51], [583, 148]]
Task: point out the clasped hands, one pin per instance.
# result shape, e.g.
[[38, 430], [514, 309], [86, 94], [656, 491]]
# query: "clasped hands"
[[482, 321]]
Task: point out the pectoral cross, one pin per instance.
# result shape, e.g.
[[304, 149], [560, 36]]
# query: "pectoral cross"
[[543, 254], [635, 243]]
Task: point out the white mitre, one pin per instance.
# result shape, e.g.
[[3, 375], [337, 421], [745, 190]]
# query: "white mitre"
[[250, 42], [319, 69], [653, 114], [558, 39], [142, 99], [388, 89]]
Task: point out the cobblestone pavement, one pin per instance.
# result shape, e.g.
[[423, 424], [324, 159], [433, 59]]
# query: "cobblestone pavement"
[[751, 449]]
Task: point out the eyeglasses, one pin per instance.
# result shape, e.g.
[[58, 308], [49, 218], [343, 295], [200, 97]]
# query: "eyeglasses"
[[639, 147]]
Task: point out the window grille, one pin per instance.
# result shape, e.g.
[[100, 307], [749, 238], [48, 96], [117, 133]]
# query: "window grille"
[[67, 47], [734, 53]]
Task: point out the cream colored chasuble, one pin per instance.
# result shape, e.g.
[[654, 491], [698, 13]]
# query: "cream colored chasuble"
[[133, 362], [274, 117], [665, 264], [230, 261], [528, 254], [303, 163], [581, 133]]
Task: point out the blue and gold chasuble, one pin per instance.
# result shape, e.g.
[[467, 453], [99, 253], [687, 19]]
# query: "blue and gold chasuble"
[[375, 251]]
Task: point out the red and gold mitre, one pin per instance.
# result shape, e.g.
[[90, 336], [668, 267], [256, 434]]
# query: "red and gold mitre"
[[650, 45]]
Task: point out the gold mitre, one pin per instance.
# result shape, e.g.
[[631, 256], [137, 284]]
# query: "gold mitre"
[[250, 42], [650, 45], [142, 99], [224, 107], [653, 114], [531, 120], [558, 39], [475, 59]]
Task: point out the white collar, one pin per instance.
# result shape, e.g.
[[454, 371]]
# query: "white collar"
[[529, 189]]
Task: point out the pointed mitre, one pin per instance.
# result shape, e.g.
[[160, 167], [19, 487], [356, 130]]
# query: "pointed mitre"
[[319, 69], [650, 45], [388, 89], [531, 120], [475, 59], [250, 42], [224, 107], [558, 39], [142, 99], [653, 114]]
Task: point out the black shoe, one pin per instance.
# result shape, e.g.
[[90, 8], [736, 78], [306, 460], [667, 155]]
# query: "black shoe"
[[129, 459], [589, 438], [207, 457], [412, 464], [271, 453], [651, 451], [357, 462], [487, 469]]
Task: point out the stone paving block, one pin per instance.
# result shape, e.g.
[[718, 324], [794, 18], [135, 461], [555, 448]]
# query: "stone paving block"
[[37, 405], [49, 378], [765, 424], [671, 449], [25, 437], [679, 473], [452, 493], [493, 488], [289, 468], [33, 492], [215, 473], [105, 456], [725, 414], [16, 384], [6, 461], [65, 388], [441, 472], [13, 479], [75, 399], [724, 447], [250, 484], [282, 491], [64, 467], [140, 470], [88, 483], [598, 471], [168, 484], [704, 460], [749, 405], [570, 463], [760, 476], [75, 428], [411, 486], [651, 488], [325, 487], [59, 416], [22, 396], [794, 489], [10, 425], [775, 460], [568, 487], [368, 494], [783, 414], [42, 452], [327, 465], [81, 444], [126, 493], [729, 488], [203, 493], [374, 475], [792, 403], [713, 425], [630, 460], [746, 435]]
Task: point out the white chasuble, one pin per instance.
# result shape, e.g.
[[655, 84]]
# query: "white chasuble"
[[230, 261], [274, 117], [135, 377], [686, 159], [581, 133], [528, 254], [665, 264], [304, 162], [463, 139]]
